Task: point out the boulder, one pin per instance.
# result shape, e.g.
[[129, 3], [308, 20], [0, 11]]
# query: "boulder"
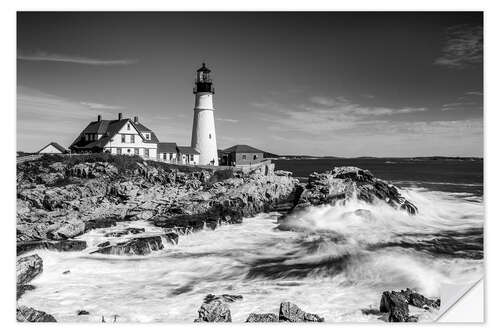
[[22, 288], [396, 305], [137, 245], [292, 313], [82, 313], [262, 318], [214, 309], [27, 268], [72, 228], [27, 314]]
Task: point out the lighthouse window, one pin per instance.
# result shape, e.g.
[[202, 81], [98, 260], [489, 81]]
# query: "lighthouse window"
[[210, 136]]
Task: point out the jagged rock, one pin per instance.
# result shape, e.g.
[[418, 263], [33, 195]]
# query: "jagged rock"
[[82, 313], [419, 300], [344, 183], [262, 318], [396, 305], [137, 246], [62, 245], [292, 313], [67, 230], [27, 268], [215, 308], [25, 313]]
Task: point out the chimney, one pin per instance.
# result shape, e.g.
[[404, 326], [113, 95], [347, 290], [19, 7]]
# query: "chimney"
[[120, 116], [99, 117], [136, 119]]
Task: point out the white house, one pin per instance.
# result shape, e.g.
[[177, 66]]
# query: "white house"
[[52, 148], [122, 136], [169, 152]]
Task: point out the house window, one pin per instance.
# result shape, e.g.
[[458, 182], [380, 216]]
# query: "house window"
[[243, 157], [119, 151], [164, 156], [128, 150], [123, 138], [254, 157], [146, 152], [136, 151], [132, 138], [128, 127], [191, 158]]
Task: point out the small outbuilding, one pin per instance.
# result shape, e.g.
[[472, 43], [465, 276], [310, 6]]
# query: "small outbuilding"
[[53, 148], [167, 152], [241, 155], [188, 155]]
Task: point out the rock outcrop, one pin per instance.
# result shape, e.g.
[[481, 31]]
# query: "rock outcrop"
[[395, 304], [27, 314], [27, 268], [292, 313], [343, 183], [137, 245], [216, 309]]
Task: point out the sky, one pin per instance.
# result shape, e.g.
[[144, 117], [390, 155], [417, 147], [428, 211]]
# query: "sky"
[[327, 84]]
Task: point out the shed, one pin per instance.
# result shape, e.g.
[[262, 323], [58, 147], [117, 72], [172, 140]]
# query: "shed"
[[52, 148], [241, 155]]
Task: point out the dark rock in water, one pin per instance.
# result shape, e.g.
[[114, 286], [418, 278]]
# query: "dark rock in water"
[[292, 313], [62, 245], [66, 272], [395, 304], [27, 268], [28, 314], [125, 232], [344, 183], [418, 300], [137, 246], [262, 318], [371, 311], [22, 288], [214, 309], [82, 313]]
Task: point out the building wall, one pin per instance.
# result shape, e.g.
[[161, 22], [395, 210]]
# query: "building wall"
[[203, 136], [248, 158], [128, 147], [167, 157], [185, 159], [50, 149]]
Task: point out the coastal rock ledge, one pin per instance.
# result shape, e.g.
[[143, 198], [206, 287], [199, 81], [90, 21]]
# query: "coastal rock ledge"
[[344, 183]]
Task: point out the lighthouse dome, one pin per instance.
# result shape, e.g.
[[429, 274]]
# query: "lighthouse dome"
[[204, 68]]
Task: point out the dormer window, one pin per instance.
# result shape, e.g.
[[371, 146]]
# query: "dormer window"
[[147, 136]]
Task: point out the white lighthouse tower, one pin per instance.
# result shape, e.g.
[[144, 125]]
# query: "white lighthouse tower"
[[203, 138]]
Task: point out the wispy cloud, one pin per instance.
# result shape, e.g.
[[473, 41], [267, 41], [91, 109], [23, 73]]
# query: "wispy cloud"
[[476, 93], [98, 106], [325, 114], [463, 46], [55, 57], [229, 120]]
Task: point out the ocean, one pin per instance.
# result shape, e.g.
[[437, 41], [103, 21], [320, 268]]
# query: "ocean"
[[337, 265]]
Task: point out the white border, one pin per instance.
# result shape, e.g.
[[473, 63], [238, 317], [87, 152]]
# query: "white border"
[[492, 109]]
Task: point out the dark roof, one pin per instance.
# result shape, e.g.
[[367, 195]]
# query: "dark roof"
[[56, 145], [187, 150], [108, 129], [241, 149], [167, 147]]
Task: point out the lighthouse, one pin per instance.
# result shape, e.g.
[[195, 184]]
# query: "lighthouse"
[[203, 137]]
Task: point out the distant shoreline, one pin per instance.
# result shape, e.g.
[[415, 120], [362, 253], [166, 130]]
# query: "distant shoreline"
[[422, 158]]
